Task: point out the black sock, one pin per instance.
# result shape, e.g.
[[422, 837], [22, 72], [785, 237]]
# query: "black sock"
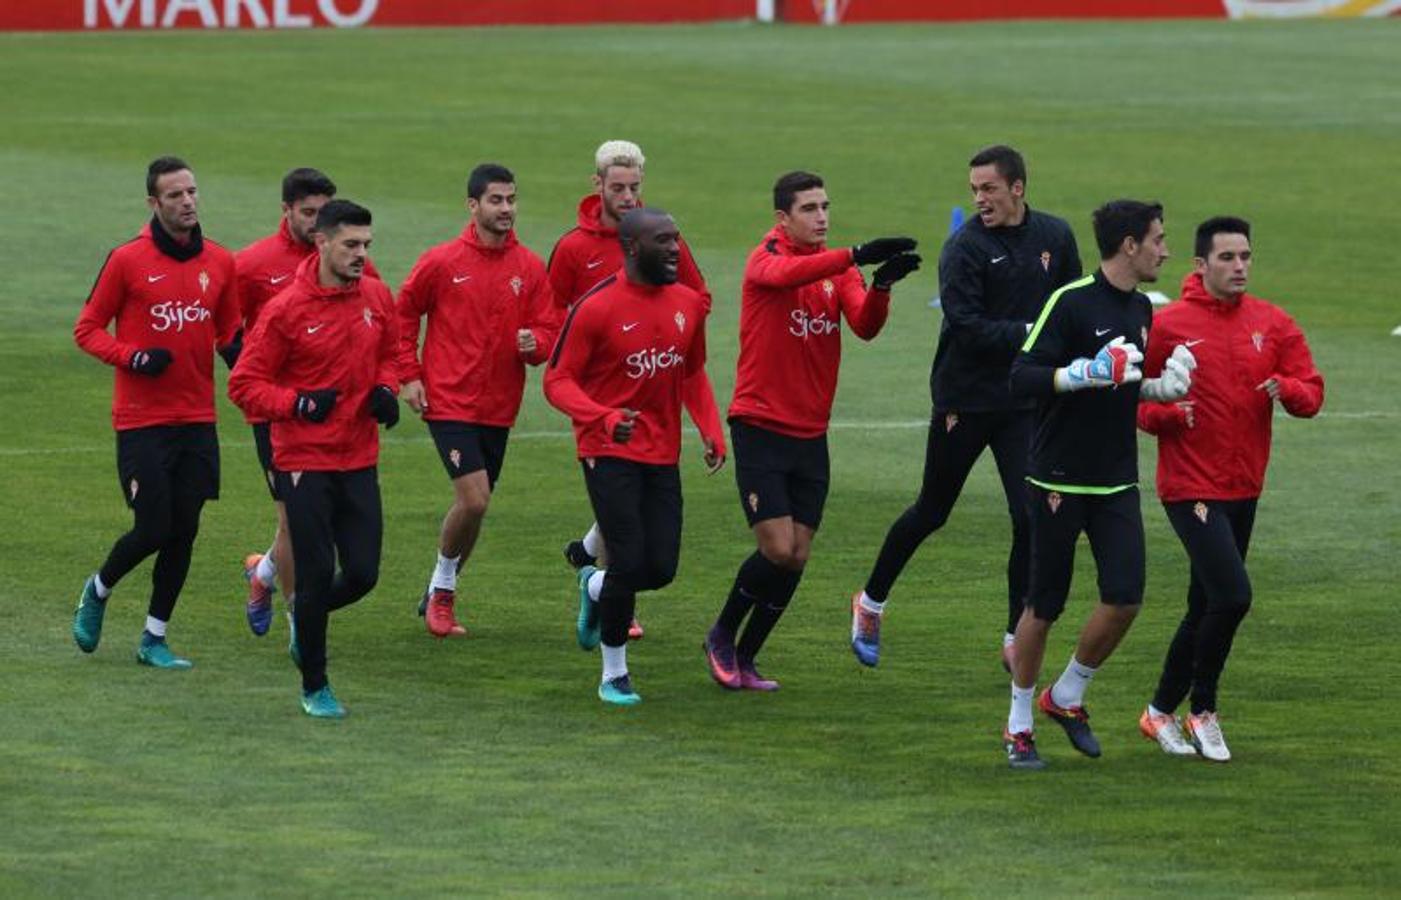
[[753, 577], [767, 612]]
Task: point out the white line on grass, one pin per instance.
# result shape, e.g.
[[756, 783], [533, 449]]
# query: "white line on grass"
[[904, 425]]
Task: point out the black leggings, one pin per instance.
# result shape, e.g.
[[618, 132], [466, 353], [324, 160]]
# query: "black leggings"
[[638, 508], [1216, 534], [330, 515], [955, 442]]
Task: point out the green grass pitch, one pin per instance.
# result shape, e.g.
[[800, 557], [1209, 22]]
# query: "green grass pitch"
[[487, 765]]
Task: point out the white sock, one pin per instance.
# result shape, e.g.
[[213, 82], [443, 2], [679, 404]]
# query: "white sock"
[[266, 572], [103, 591], [1019, 719], [155, 626], [444, 574], [593, 541], [1154, 711], [1069, 689], [615, 661], [875, 606], [596, 585], [1008, 639]]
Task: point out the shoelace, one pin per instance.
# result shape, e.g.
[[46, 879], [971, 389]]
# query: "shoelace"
[[1209, 730], [867, 623]]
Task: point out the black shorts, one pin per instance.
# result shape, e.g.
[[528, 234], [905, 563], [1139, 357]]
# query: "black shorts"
[[166, 460], [1114, 525], [262, 440], [466, 448], [780, 475]]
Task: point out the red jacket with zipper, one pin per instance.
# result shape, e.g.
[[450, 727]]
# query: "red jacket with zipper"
[[1237, 346], [265, 269], [793, 300], [475, 297], [311, 337]]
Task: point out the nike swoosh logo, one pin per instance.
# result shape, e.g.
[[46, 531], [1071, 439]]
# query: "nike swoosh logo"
[[458, 279], [279, 279], [998, 259], [1101, 332], [630, 327], [152, 279], [311, 330], [594, 264], [1193, 343]]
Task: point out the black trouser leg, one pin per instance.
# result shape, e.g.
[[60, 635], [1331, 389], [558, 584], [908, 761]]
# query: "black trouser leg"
[[1216, 536], [153, 512], [1011, 444], [311, 511], [615, 489], [173, 559], [359, 531], [638, 506], [745, 592], [953, 445]]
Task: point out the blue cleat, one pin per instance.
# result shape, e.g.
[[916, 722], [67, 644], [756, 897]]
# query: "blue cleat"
[[865, 633], [259, 608], [322, 704], [1076, 722], [156, 653], [586, 629], [87, 618], [618, 691]]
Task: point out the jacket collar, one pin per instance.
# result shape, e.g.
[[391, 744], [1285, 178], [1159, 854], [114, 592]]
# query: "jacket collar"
[[173, 248], [470, 237], [778, 238]]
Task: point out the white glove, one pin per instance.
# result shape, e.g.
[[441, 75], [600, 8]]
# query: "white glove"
[[1176, 379], [1116, 363]]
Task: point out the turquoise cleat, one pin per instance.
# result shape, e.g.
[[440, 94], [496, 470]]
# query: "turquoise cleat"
[[618, 691], [322, 704], [87, 618], [154, 652], [586, 628]]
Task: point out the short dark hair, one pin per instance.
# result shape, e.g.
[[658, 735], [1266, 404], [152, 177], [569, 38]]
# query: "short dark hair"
[[789, 185], [1208, 230], [1119, 219], [341, 212], [485, 174], [1009, 162], [162, 165], [300, 183]]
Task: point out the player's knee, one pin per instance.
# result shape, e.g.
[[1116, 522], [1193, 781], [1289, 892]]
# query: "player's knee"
[[928, 515], [660, 574], [788, 557], [361, 576]]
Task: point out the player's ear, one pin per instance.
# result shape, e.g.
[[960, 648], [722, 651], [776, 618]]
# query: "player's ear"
[[597, 182]]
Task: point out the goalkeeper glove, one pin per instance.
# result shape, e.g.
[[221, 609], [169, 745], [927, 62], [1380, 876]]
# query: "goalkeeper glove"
[[1176, 379], [1116, 363], [881, 249]]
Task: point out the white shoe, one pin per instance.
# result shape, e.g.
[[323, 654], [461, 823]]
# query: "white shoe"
[[1165, 729], [1205, 731]]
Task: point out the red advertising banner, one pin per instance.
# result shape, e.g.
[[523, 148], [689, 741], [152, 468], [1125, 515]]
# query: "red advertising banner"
[[105, 15], [75, 15]]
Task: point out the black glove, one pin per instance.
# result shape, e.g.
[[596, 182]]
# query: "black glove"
[[232, 349], [893, 269], [384, 406], [315, 406], [149, 362], [881, 249]]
